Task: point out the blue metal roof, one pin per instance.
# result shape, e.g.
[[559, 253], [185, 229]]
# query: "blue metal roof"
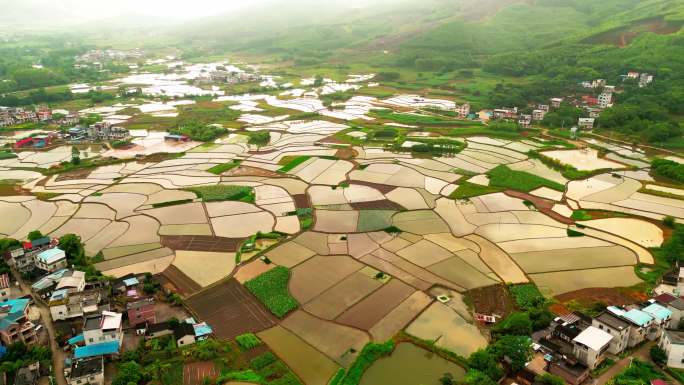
[[58, 294], [202, 329], [658, 312], [77, 339], [638, 317], [94, 350], [49, 279], [131, 281], [51, 255], [16, 311]]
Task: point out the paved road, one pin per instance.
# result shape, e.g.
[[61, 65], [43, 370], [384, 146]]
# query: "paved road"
[[58, 355]]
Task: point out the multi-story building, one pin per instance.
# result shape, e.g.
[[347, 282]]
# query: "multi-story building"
[[105, 131], [539, 114], [505, 113], [672, 342], [586, 123], [590, 346], [525, 120], [605, 99], [141, 311], [556, 102], [616, 327], [640, 323], [661, 319], [463, 110], [15, 325], [102, 335], [69, 303], [51, 260]]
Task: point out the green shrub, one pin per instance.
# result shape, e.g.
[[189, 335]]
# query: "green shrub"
[[580, 215], [271, 289], [261, 361], [171, 203], [224, 193], [221, 168], [370, 353], [293, 163], [504, 177], [468, 190], [248, 341], [243, 376], [527, 296], [573, 233]]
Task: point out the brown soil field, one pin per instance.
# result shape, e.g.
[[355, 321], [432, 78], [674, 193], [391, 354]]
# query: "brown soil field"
[[385, 204], [383, 188], [609, 296], [200, 243], [373, 308], [301, 201], [543, 205], [183, 284], [231, 310], [318, 274], [251, 171], [194, 373], [493, 299]]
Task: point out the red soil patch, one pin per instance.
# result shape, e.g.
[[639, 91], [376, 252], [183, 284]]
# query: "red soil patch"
[[610, 296], [383, 188], [194, 373], [543, 205], [346, 153], [231, 310], [384, 204], [200, 243], [492, 300], [301, 201], [377, 305]]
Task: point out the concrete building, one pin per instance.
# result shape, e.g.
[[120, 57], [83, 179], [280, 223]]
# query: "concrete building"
[[14, 322], [640, 323], [672, 342], [87, 371], [556, 102], [616, 327], [538, 115], [105, 131], [605, 99], [590, 345], [586, 123], [51, 260], [141, 311], [184, 334]]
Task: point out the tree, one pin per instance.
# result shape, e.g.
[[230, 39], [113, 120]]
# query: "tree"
[[73, 248], [517, 323], [486, 363], [658, 355], [35, 234], [516, 349], [476, 377], [318, 81], [549, 379], [129, 373], [447, 379], [669, 221], [75, 155], [259, 138]]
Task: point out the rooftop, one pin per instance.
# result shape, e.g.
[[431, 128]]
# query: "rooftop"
[[638, 317], [594, 338], [675, 336], [612, 321], [86, 367], [50, 256], [665, 298], [95, 350], [677, 304], [183, 329], [658, 311]]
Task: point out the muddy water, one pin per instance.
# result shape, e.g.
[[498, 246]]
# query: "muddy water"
[[411, 365]]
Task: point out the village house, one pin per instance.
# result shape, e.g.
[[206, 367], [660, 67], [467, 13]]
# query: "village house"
[[141, 311], [28, 375], [616, 327], [5, 287], [68, 303], [605, 99], [87, 371], [51, 260], [672, 342], [591, 345], [103, 131], [645, 79], [639, 321], [586, 123], [48, 283], [102, 335], [675, 305], [661, 319], [158, 330], [556, 102], [505, 113], [14, 323], [184, 334], [525, 120], [538, 115], [463, 110]]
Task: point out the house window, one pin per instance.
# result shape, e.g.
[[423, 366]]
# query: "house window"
[[91, 340]]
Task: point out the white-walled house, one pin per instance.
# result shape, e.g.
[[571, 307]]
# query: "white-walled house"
[[590, 345], [672, 342]]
